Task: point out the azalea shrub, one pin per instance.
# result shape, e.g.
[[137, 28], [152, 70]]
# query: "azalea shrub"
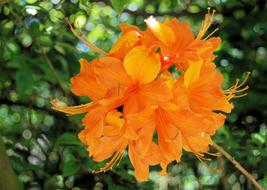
[[155, 87]]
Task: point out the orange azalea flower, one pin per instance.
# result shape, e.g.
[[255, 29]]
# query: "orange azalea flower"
[[123, 84], [138, 104], [203, 87], [111, 137], [178, 43]]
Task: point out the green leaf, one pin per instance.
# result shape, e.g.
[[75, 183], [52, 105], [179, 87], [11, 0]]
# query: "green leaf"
[[258, 138], [45, 41], [70, 163], [118, 5], [70, 167], [68, 139], [24, 81], [35, 29]]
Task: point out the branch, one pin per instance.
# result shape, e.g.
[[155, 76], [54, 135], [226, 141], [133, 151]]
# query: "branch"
[[145, 14], [238, 166], [174, 14]]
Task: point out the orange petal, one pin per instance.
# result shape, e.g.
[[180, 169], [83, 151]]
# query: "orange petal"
[[163, 32], [154, 155], [124, 44], [208, 47], [133, 105], [186, 121], [180, 98], [107, 146], [141, 169], [152, 94], [141, 65], [184, 35], [198, 143], [193, 72], [155, 93], [111, 73], [134, 122], [212, 121], [169, 138], [127, 28], [206, 91], [86, 83], [145, 137], [94, 122]]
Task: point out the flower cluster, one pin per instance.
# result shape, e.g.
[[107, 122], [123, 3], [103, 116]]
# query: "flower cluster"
[[138, 104]]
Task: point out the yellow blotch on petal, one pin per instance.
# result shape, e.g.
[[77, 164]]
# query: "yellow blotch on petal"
[[142, 65], [193, 72], [114, 118], [161, 31], [168, 79]]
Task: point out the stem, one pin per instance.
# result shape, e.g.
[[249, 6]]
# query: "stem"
[[238, 166], [8, 179]]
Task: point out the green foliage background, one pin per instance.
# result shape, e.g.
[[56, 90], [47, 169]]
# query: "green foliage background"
[[39, 55]]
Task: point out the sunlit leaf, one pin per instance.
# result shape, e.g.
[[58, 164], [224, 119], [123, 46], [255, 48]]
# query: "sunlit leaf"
[[118, 5]]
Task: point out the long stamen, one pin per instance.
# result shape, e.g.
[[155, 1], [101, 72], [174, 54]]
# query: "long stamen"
[[71, 110], [119, 161], [237, 88], [213, 154], [206, 24], [240, 90], [215, 30], [87, 43], [115, 159], [232, 87]]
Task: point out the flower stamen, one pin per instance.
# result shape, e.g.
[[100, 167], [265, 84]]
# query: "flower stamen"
[[115, 160], [71, 110], [237, 88], [87, 43], [206, 24]]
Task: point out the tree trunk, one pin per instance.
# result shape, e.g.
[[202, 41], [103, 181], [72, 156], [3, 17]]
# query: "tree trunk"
[[8, 179]]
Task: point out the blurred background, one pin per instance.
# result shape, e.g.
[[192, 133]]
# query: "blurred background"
[[39, 55]]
